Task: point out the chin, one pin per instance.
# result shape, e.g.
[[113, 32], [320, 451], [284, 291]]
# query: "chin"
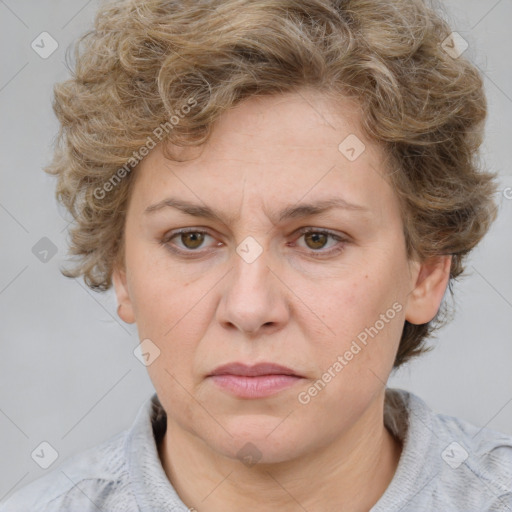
[[257, 440]]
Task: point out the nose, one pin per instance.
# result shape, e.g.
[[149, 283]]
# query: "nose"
[[254, 299]]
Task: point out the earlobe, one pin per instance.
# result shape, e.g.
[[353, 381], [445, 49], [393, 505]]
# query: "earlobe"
[[125, 308], [425, 299]]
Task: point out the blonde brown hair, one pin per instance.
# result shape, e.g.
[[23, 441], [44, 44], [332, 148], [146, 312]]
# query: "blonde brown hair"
[[145, 60]]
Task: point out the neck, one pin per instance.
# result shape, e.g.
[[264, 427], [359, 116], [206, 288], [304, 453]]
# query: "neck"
[[350, 474]]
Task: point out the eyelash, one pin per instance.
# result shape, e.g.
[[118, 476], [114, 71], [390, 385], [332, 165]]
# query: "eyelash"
[[302, 231]]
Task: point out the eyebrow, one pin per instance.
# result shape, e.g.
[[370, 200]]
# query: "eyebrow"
[[292, 211]]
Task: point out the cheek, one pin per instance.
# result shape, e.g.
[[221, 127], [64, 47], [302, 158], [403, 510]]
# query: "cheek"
[[159, 294], [355, 363], [365, 316], [169, 310], [350, 304], [172, 308]]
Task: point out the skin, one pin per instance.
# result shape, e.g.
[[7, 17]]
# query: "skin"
[[288, 306]]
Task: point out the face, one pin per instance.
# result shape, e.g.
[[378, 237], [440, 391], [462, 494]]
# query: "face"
[[269, 279]]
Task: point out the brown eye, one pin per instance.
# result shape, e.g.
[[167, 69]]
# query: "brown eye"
[[192, 240], [185, 241], [316, 240]]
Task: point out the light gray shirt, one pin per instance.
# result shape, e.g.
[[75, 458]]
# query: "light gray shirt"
[[446, 464]]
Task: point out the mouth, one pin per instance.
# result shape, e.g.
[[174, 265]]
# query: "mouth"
[[256, 370], [257, 381]]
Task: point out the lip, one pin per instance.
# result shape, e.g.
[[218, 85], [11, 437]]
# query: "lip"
[[257, 381], [255, 370]]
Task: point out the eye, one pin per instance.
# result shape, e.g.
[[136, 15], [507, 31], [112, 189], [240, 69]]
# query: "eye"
[[316, 239], [193, 239]]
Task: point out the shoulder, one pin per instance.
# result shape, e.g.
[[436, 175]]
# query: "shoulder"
[[458, 465], [471, 443], [484, 452], [82, 482]]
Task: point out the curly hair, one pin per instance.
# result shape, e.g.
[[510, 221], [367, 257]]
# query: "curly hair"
[[147, 62]]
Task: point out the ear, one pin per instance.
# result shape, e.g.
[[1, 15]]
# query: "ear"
[[431, 282], [125, 307]]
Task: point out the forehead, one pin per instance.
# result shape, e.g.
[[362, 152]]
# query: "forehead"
[[274, 150]]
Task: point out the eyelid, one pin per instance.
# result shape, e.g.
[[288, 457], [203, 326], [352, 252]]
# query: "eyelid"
[[334, 234]]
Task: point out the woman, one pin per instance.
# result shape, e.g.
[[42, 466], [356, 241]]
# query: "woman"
[[280, 193]]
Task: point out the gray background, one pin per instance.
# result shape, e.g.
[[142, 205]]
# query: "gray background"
[[68, 373]]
